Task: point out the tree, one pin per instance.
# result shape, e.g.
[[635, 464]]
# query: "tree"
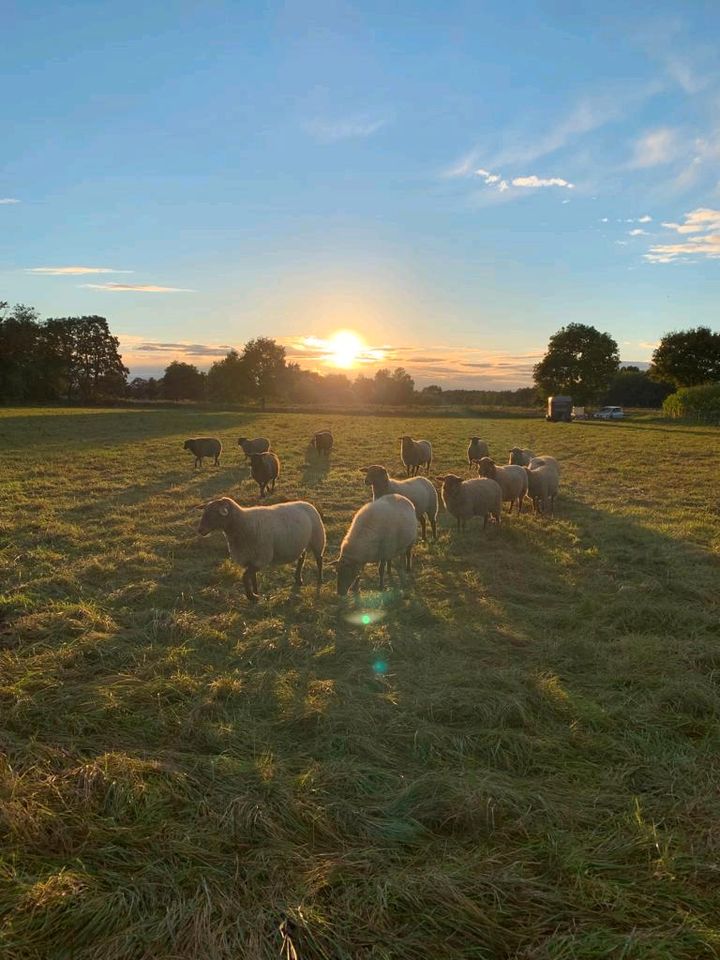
[[183, 381], [580, 361], [141, 389], [20, 353], [265, 365], [228, 379], [687, 358], [632, 387], [85, 362]]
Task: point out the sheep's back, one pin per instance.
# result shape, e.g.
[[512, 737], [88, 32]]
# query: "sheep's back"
[[381, 530], [513, 481], [205, 446], [420, 492]]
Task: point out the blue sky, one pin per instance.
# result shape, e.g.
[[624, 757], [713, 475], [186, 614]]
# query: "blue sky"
[[455, 181]]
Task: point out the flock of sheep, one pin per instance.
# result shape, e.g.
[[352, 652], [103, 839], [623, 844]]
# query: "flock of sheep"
[[380, 531]]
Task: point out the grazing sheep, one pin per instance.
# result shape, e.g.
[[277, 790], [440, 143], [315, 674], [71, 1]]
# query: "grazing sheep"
[[479, 497], [415, 454], [323, 442], [512, 480], [520, 457], [258, 445], [379, 532], [265, 469], [259, 536], [419, 491], [478, 448], [543, 481], [204, 447]]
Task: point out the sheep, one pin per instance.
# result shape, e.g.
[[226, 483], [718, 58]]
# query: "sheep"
[[265, 469], [379, 531], [479, 497], [512, 480], [520, 457], [258, 445], [419, 491], [323, 442], [204, 447], [259, 536], [543, 481], [415, 454], [478, 448]]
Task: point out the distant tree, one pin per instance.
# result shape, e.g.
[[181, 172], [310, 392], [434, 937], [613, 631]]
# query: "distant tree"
[[141, 389], [183, 381], [364, 388], [229, 380], [687, 358], [21, 353], [86, 363], [265, 364], [433, 390], [632, 387], [580, 361]]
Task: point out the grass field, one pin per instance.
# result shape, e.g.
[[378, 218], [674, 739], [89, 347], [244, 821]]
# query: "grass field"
[[518, 757]]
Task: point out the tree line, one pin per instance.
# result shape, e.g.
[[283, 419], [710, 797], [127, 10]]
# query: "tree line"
[[77, 359]]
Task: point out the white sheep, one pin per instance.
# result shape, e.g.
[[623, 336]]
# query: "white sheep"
[[379, 532], [415, 454], [419, 491], [512, 479], [520, 456], [259, 536], [543, 481], [479, 497], [477, 448]]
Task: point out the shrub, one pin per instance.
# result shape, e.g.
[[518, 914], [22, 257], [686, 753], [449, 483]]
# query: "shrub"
[[699, 403]]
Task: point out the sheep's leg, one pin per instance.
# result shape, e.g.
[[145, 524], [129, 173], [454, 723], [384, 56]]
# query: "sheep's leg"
[[520, 502], [433, 526], [273, 485], [250, 583], [408, 559], [217, 461], [511, 506], [381, 571], [355, 586], [298, 570], [319, 562], [552, 506], [423, 526]]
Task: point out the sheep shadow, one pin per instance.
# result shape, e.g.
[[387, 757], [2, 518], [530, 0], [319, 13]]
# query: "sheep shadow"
[[315, 467]]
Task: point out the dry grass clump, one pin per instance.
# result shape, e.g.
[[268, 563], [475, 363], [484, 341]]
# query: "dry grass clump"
[[513, 755]]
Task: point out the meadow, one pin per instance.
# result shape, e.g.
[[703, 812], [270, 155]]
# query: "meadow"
[[513, 754]]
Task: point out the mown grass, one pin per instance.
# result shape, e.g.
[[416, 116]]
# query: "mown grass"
[[518, 756]]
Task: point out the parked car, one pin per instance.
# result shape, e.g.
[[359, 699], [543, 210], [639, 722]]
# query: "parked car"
[[579, 413], [609, 413]]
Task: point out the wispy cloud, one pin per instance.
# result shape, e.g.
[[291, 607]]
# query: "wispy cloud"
[[505, 188], [637, 232], [72, 271], [135, 288], [532, 181], [655, 148], [354, 127], [6, 201], [702, 229]]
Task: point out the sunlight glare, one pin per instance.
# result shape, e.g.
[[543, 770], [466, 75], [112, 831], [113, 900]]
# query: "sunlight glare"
[[345, 346]]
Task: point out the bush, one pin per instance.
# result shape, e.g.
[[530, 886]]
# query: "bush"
[[698, 403]]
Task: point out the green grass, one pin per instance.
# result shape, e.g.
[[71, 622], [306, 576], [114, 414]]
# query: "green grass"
[[518, 756]]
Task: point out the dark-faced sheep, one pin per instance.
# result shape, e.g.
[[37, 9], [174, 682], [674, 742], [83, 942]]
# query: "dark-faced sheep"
[[202, 447], [260, 536], [419, 491], [415, 454], [323, 442], [265, 469], [379, 532], [257, 445], [476, 449], [479, 497]]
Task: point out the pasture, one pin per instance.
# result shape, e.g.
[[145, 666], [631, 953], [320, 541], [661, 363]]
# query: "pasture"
[[515, 754]]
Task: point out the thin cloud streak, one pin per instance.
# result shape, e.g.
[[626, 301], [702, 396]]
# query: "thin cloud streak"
[[72, 271], [135, 288], [7, 201], [347, 128]]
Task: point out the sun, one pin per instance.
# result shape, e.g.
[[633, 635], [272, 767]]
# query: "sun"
[[344, 347]]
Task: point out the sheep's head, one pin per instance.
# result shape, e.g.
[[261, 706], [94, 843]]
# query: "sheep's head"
[[516, 456], [474, 439], [450, 483], [375, 474], [215, 515], [187, 445], [486, 468], [242, 441], [347, 573]]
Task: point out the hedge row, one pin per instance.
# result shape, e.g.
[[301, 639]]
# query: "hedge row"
[[697, 403]]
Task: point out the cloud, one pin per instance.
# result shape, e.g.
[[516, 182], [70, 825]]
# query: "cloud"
[[6, 201], [637, 232], [134, 288], [72, 271], [347, 128], [533, 181], [655, 148], [646, 218], [702, 229]]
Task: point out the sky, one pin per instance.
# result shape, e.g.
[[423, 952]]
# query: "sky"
[[452, 181]]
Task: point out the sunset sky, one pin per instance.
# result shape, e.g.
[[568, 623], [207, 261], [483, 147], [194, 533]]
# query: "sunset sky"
[[450, 181]]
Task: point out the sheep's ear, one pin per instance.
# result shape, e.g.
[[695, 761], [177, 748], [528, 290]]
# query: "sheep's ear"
[[224, 511], [199, 506], [363, 469]]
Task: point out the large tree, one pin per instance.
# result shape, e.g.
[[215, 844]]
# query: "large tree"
[[264, 361], [21, 353], [183, 381], [580, 361], [688, 358], [228, 379], [85, 362]]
